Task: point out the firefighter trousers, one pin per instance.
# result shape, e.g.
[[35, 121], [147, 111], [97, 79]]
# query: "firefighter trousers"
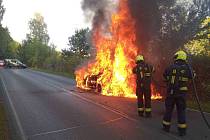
[[144, 99], [180, 102]]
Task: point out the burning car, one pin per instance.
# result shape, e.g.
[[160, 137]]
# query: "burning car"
[[91, 82], [115, 53]]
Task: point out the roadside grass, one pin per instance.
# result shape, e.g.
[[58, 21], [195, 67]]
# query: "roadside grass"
[[205, 105], [65, 74], [4, 134]]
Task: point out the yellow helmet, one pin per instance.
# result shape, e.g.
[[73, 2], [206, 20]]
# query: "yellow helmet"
[[139, 58], [180, 55]]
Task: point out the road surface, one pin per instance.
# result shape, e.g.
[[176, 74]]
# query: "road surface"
[[49, 107]]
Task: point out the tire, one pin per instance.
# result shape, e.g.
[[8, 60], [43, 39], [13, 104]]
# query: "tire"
[[99, 88]]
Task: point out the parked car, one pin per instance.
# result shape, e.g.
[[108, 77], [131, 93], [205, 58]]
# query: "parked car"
[[2, 63], [14, 63]]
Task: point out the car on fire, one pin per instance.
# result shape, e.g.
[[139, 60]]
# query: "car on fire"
[[92, 83], [14, 63]]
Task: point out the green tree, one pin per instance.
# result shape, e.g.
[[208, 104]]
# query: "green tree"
[[35, 48], [70, 60], [199, 49], [179, 22], [8, 47], [78, 43], [2, 10], [200, 45], [5, 40], [162, 26], [4, 35], [54, 59], [38, 29], [78, 51]]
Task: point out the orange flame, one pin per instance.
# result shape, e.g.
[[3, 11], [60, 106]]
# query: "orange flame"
[[115, 57]]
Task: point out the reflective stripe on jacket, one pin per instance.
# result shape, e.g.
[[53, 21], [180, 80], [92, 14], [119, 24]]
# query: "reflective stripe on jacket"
[[177, 77]]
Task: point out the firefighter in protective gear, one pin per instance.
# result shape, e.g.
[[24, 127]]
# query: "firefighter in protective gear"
[[177, 76], [143, 72]]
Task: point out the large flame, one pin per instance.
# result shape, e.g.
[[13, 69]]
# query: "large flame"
[[115, 57]]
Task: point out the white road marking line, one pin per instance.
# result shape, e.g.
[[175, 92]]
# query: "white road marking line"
[[110, 121], [22, 134], [190, 109], [55, 85], [194, 110], [102, 106], [75, 127], [56, 131], [98, 104]]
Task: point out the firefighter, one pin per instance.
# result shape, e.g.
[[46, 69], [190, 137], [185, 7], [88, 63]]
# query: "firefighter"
[[177, 76], [143, 72]]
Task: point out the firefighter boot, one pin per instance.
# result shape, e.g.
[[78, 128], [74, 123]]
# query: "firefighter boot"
[[148, 112], [141, 111], [182, 131]]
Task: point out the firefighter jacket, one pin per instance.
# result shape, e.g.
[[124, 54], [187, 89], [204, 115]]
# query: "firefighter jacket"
[[177, 76], [143, 72]]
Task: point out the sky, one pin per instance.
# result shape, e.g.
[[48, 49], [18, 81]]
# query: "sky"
[[62, 17]]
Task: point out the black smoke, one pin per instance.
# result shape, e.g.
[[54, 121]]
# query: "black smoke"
[[147, 17], [98, 12]]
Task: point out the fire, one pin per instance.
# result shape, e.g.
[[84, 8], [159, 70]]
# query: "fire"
[[115, 57]]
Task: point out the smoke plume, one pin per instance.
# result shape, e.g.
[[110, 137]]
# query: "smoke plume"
[[99, 12]]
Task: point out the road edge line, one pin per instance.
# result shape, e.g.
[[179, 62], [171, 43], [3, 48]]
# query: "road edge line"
[[126, 116], [195, 110], [96, 103], [191, 109], [35, 71], [13, 111]]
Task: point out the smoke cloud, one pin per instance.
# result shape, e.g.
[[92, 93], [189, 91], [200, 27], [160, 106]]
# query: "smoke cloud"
[[99, 12], [145, 14]]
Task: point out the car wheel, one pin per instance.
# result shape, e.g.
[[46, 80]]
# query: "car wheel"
[[99, 88]]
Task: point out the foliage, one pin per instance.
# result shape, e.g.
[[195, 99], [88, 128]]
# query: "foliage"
[[7, 44], [78, 43], [38, 30], [166, 25], [200, 45], [199, 49], [71, 60], [35, 49], [78, 51], [182, 20], [2, 10]]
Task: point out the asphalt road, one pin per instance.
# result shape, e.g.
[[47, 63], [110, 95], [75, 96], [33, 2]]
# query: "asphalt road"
[[49, 107]]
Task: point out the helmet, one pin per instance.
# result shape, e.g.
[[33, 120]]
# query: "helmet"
[[180, 55], [139, 58]]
